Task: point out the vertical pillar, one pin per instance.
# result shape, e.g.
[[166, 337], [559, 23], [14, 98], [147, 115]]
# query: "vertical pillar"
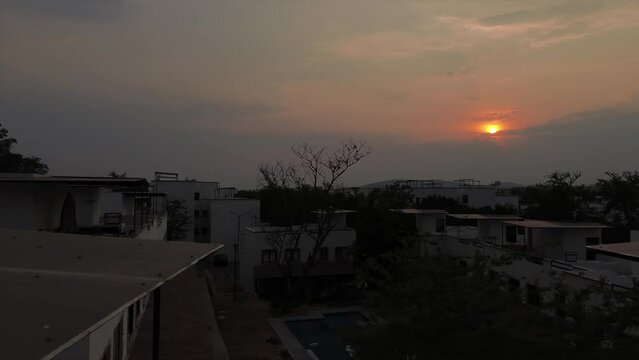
[[156, 324]]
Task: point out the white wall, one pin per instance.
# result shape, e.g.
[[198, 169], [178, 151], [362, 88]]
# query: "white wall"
[[427, 223], [477, 197], [185, 190], [251, 251], [157, 230], [223, 218], [31, 206], [87, 205]]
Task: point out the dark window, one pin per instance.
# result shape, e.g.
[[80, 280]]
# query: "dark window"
[[511, 234], [323, 254], [465, 199], [196, 196], [342, 253], [117, 342], [269, 257], [570, 256], [204, 231], [205, 213], [129, 320], [533, 295], [521, 230], [292, 255], [591, 255], [196, 213], [441, 225], [137, 308]]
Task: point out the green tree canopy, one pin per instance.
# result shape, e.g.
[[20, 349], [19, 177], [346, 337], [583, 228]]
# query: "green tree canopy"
[[11, 162], [621, 193]]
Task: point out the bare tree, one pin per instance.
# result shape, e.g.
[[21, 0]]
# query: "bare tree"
[[306, 189]]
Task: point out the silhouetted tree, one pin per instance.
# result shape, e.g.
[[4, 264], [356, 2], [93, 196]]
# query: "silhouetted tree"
[[178, 220], [115, 174], [558, 198], [305, 192], [621, 193], [17, 163]]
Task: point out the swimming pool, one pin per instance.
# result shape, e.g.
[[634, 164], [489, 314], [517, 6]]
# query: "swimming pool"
[[319, 335]]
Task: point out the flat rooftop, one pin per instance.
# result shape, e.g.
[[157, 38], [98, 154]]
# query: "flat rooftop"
[[419, 211], [485, 217], [76, 180], [543, 224], [57, 288], [628, 250]]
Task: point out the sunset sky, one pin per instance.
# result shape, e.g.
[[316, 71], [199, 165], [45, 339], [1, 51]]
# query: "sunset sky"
[[212, 88]]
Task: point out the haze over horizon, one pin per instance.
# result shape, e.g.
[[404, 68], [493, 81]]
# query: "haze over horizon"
[[212, 89]]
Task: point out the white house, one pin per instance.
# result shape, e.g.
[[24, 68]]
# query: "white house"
[[195, 196], [260, 273], [432, 222], [468, 192], [70, 297], [478, 227], [553, 240]]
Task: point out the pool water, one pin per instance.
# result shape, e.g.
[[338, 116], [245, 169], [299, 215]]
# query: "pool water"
[[319, 335]]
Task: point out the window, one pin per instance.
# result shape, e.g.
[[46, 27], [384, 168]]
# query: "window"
[[440, 227], [129, 320], [137, 308], [465, 199], [571, 256], [205, 213], [117, 342], [196, 213], [323, 254], [292, 255], [521, 230], [342, 253], [269, 256], [196, 196], [511, 234], [204, 231]]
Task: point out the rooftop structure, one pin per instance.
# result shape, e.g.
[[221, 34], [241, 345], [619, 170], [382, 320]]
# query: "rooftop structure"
[[485, 217], [542, 224], [628, 250], [61, 290], [468, 192]]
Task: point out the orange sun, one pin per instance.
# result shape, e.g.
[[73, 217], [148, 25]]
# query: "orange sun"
[[492, 129]]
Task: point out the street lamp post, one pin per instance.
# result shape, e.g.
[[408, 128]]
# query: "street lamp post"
[[236, 248]]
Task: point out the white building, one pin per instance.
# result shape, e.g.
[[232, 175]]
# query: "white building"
[[467, 192], [259, 260], [427, 222], [229, 219], [553, 240], [70, 297], [531, 254]]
